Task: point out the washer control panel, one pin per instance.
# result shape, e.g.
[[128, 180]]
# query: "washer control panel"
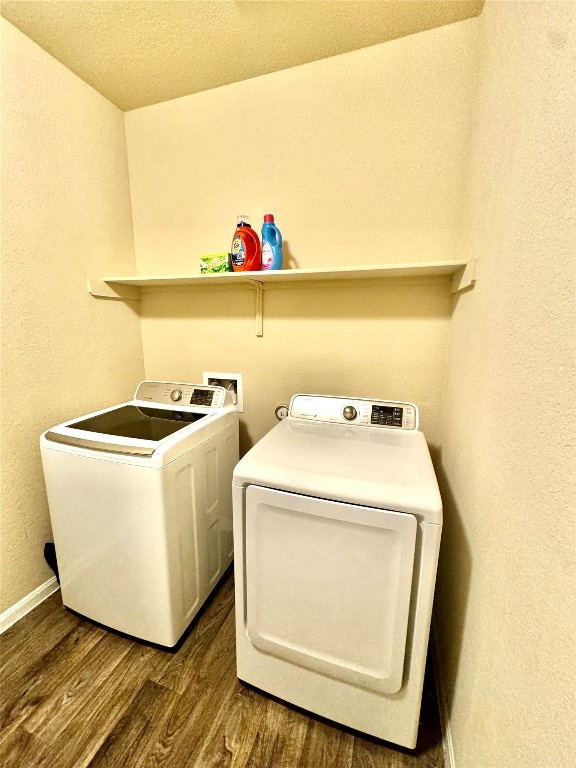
[[391, 414], [184, 395]]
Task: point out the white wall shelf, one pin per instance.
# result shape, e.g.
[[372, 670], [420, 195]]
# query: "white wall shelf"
[[112, 287], [462, 276]]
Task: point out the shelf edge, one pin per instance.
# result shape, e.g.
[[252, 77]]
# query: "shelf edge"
[[115, 287]]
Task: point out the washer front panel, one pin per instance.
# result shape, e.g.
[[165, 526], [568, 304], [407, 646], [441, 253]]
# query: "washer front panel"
[[328, 585]]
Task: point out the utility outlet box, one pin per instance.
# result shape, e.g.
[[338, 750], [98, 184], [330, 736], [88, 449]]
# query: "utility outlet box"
[[230, 381]]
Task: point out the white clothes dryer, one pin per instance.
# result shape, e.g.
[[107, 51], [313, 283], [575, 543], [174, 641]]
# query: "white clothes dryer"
[[141, 507], [337, 525]]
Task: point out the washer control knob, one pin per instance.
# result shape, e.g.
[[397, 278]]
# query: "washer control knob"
[[349, 413], [176, 395]]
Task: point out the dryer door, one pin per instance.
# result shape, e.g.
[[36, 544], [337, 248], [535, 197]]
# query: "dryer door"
[[328, 585]]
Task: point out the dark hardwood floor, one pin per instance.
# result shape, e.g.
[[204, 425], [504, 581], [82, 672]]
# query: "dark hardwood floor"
[[73, 694]]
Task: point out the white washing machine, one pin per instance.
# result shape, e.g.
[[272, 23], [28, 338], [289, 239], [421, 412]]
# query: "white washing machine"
[[337, 525], [141, 507]]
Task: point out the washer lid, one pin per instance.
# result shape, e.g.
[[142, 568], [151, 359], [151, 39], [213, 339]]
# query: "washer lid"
[[360, 465], [156, 419], [138, 422]]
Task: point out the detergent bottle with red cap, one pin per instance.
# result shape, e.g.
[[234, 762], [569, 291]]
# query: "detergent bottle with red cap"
[[246, 250], [271, 244]]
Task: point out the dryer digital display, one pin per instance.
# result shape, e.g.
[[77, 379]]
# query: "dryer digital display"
[[386, 415]]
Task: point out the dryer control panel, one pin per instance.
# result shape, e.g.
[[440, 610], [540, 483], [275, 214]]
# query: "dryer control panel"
[[391, 414]]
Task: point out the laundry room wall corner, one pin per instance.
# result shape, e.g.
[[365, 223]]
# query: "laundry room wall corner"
[[65, 215], [505, 603]]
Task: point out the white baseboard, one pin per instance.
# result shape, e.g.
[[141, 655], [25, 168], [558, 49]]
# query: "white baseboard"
[[27, 604], [447, 743]]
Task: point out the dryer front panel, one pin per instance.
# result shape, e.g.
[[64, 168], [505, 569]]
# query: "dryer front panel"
[[328, 585]]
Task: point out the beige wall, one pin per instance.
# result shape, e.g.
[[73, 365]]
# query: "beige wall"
[[379, 340], [505, 600], [65, 216], [361, 158]]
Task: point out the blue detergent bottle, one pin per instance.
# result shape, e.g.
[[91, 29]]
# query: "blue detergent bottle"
[[271, 244]]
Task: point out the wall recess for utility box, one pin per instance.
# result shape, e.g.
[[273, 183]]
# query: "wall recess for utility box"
[[230, 381]]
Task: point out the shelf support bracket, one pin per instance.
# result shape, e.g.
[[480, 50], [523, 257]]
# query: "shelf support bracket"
[[102, 289], [464, 278], [259, 308]]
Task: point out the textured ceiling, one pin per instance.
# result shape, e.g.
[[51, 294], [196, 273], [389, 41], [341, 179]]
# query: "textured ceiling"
[[141, 52]]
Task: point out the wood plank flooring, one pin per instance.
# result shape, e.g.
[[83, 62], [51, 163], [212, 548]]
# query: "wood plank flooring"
[[74, 695]]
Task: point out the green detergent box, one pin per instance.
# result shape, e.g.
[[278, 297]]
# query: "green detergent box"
[[215, 262]]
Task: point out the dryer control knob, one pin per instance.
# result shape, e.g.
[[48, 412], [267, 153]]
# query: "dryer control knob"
[[349, 413], [176, 395]]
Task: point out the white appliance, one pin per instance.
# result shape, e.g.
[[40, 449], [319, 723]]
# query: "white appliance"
[[141, 506], [337, 524]]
